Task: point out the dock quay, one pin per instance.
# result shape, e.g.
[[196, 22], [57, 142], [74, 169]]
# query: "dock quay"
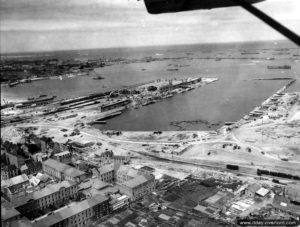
[[113, 105], [98, 122], [39, 101], [108, 116], [162, 89], [259, 111], [135, 96], [137, 85]]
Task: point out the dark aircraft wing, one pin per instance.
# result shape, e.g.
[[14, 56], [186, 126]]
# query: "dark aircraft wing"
[[171, 6]]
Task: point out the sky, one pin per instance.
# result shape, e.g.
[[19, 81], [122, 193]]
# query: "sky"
[[47, 25]]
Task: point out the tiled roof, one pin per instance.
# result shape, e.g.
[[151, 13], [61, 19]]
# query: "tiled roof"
[[15, 180], [56, 165], [128, 171], [140, 179], [62, 153], [52, 188], [7, 211], [72, 172], [22, 200], [23, 223], [262, 191], [61, 167], [105, 191], [106, 168], [253, 187], [42, 177], [70, 210], [24, 167], [94, 183]]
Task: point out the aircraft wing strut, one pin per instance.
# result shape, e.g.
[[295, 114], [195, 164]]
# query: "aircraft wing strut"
[[270, 21]]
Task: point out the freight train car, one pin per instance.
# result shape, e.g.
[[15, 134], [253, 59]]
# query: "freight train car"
[[232, 167], [277, 174]]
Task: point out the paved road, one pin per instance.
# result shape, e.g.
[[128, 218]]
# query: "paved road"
[[105, 138], [102, 137]]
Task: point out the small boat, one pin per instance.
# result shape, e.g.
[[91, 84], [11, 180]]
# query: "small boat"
[[229, 123], [12, 84], [99, 122], [98, 78]]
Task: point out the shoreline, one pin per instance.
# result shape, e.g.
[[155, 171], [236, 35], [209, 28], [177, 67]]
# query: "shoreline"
[[115, 98], [245, 118]]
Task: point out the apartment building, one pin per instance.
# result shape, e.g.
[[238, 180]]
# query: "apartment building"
[[8, 214], [62, 171], [64, 156], [107, 173], [52, 195], [55, 194], [9, 171], [125, 173], [77, 214], [12, 187], [138, 187], [134, 183]]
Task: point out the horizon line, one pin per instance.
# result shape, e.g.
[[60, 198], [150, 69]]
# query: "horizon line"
[[132, 47]]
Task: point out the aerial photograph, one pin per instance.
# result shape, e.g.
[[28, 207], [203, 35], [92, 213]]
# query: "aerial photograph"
[[150, 113]]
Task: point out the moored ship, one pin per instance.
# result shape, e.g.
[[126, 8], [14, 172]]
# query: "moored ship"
[[279, 67], [12, 84], [98, 78]]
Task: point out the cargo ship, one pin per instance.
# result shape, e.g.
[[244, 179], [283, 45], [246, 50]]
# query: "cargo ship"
[[148, 103], [280, 67], [109, 116], [98, 122], [98, 78], [33, 98], [25, 81], [38, 101]]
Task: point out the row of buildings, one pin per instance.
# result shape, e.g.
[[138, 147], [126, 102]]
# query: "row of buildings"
[[132, 182], [74, 197], [59, 188]]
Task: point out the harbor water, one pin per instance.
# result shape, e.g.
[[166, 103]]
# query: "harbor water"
[[204, 108]]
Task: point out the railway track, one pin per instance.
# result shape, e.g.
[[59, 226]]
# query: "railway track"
[[216, 166]]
